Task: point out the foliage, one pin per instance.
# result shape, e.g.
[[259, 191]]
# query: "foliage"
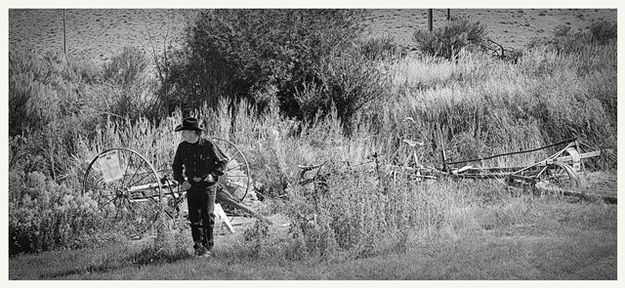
[[129, 86], [381, 48], [561, 41], [44, 215], [169, 246], [603, 32], [447, 41], [298, 91], [347, 82], [45, 88], [126, 68], [48, 107], [237, 53]]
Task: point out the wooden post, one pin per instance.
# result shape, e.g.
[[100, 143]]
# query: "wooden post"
[[64, 35], [442, 144], [448, 14], [430, 21], [577, 148]]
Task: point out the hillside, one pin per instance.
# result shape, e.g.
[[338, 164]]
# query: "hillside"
[[98, 34]]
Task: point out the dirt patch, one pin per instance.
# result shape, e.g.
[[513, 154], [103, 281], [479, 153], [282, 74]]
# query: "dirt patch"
[[98, 34]]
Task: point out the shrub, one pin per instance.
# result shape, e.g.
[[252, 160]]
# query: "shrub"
[[169, 246], [447, 41], [127, 68], [381, 48], [54, 99], [354, 212], [43, 89], [603, 31], [44, 215], [129, 86], [237, 53], [346, 81], [561, 30]]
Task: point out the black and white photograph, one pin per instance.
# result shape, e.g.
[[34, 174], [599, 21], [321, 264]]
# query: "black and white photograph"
[[398, 143]]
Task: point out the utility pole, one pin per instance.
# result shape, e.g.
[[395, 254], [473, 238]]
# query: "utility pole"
[[64, 35], [430, 20]]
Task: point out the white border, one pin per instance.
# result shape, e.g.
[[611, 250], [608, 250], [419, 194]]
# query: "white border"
[[128, 4]]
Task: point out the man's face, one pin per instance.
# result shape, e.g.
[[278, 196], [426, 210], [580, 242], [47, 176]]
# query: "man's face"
[[189, 136]]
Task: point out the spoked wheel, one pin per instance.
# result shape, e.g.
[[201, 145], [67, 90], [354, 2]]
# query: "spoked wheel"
[[174, 199], [173, 194], [126, 189], [561, 176], [236, 179]]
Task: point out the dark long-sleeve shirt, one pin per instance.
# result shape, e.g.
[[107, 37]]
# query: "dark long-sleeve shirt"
[[198, 160]]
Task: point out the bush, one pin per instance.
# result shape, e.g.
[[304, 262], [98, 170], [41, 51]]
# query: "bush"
[[53, 100], [447, 41], [43, 89], [237, 53], [346, 81], [129, 87], [354, 212], [127, 68], [381, 48], [601, 33], [44, 215]]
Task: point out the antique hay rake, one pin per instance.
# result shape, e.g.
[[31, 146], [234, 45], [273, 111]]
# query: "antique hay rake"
[[557, 173], [131, 194]]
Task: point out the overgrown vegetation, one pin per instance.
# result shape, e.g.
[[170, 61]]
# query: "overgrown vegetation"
[[238, 54], [600, 32], [298, 87], [449, 40]]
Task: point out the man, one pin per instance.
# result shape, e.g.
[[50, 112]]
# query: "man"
[[203, 162]]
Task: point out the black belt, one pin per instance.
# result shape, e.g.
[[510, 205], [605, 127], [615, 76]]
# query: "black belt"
[[203, 181]]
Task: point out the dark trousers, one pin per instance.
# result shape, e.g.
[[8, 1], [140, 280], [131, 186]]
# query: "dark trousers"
[[201, 203]]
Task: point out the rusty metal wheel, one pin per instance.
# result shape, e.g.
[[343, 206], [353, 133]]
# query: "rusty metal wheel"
[[127, 191]]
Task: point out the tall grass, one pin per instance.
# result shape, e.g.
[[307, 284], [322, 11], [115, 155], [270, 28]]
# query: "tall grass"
[[483, 106]]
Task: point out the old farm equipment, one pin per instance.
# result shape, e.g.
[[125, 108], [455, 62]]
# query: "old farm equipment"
[[131, 194], [557, 173]]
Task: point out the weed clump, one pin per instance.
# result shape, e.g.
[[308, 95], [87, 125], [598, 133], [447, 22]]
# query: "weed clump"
[[168, 246], [448, 41]]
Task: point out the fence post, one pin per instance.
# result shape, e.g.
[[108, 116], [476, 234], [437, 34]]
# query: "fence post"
[[64, 35], [430, 20]]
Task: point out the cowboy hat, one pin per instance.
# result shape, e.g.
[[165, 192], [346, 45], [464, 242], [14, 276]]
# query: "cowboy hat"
[[189, 123]]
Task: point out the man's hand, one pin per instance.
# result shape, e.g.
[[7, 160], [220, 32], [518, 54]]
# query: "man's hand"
[[185, 185], [210, 178]]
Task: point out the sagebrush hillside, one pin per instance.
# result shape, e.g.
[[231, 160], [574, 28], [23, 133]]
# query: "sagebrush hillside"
[[99, 34]]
